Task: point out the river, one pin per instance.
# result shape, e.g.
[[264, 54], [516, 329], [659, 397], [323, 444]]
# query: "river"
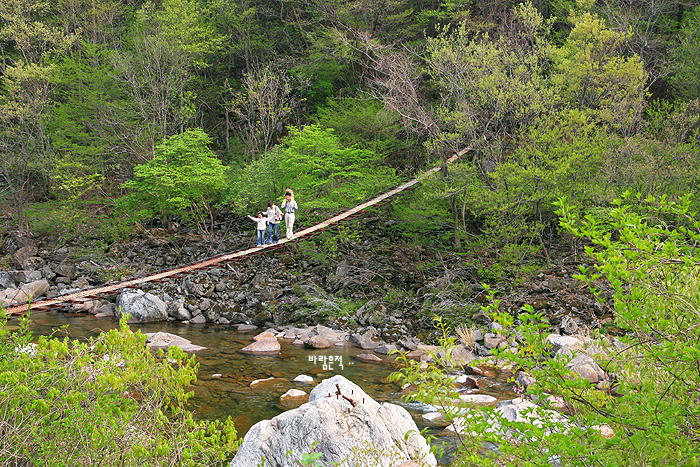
[[230, 393]]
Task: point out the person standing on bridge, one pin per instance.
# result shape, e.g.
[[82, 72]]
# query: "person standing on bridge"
[[262, 225], [274, 216], [289, 206]]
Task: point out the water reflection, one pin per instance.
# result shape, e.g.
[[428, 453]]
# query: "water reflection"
[[230, 394]]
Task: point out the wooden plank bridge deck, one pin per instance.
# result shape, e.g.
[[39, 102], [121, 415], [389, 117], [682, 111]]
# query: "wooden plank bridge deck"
[[46, 303]]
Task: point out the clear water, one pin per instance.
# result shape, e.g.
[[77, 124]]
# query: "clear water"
[[231, 394]]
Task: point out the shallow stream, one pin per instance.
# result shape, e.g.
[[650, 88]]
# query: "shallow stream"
[[231, 394]]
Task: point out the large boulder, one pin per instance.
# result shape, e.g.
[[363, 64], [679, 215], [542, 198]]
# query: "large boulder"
[[345, 424], [32, 291], [326, 333], [143, 307], [363, 341]]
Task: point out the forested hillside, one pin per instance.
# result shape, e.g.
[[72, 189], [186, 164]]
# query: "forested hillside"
[[134, 134], [198, 105]]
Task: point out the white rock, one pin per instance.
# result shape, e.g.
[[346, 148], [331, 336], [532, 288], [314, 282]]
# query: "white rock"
[[143, 307], [478, 399], [559, 342], [164, 340], [293, 394], [337, 425], [303, 379]]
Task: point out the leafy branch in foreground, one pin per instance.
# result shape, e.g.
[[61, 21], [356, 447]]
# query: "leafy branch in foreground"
[[645, 413], [108, 401]]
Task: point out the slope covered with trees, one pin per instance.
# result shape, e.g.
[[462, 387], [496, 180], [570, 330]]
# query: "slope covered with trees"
[[114, 113], [553, 98]]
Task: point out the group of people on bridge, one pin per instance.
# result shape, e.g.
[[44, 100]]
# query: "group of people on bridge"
[[268, 222]]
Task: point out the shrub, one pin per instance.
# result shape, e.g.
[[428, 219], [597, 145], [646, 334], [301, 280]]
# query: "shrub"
[[647, 413], [108, 401], [84, 225]]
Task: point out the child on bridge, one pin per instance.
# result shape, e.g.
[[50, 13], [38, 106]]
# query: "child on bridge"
[[262, 225]]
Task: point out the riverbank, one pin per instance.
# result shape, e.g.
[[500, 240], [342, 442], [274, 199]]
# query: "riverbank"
[[365, 282]]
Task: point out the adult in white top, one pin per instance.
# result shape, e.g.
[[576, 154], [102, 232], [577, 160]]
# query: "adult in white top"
[[289, 206]]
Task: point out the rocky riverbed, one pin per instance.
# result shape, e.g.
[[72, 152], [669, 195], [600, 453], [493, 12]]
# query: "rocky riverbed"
[[370, 294], [371, 286]]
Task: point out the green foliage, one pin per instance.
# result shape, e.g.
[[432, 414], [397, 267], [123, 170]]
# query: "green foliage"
[[89, 156], [184, 178], [329, 175], [425, 213], [365, 123], [648, 255], [325, 175], [255, 184], [323, 74], [108, 400], [264, 106], [106, 271], [490, 89], [686, 79], [562, 156], [594, 74], [330, 242], [320, 305]]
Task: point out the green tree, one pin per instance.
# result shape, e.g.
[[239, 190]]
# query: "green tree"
[[184, 178], [106, 401], [368, 124], [29, 45], [264, 107], [594, 75], [92, 135], [167, 45], [325, 175], [99, 21], [686, 79], [491, 89]]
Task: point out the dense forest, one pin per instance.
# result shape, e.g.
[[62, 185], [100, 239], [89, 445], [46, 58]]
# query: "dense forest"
[[577, 123], [182, 107]]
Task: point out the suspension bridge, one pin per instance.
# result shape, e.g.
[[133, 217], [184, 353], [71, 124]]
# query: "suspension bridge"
[[91, 293]]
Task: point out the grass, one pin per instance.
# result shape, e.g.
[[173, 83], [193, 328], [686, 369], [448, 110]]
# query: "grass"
[[467, 336]]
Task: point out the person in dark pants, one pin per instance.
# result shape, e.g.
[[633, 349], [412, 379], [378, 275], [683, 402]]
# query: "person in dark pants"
[[262, 224]]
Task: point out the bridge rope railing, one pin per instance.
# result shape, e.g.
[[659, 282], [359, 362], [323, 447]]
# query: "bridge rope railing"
[[46, 303]]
